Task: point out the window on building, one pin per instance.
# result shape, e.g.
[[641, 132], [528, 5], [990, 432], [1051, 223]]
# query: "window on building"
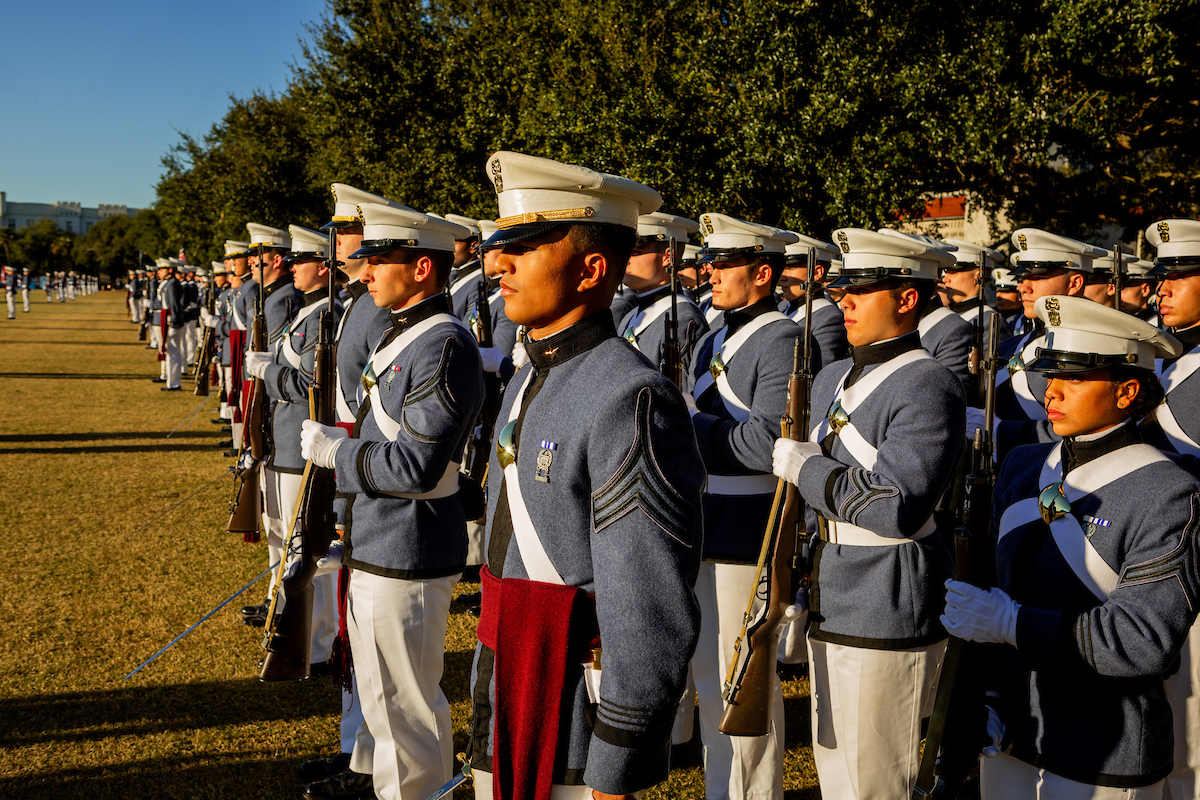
[[12, 224], [70, 229]]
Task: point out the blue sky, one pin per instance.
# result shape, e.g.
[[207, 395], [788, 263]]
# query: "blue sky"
[[93, 94]]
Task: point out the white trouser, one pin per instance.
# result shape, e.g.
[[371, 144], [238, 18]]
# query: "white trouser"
[[25, 298], [280, 492], [12, 304], [398, 640], [1183, 693], [483, 789], [226, 374], [1008, 778], [867, 707], [174, 361], [190, 341], [355, 735], [155, 335], [734, 766], [793, 644], [684, 727], [476, 554]]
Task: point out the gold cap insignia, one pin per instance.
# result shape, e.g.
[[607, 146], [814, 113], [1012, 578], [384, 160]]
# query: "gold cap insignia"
[[1021, 241], [1164, 231]]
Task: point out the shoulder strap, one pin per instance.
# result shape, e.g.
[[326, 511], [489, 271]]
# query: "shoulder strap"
[[934, 317]]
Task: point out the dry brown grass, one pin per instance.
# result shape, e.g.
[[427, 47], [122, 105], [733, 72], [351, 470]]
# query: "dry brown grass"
[[85, 596]]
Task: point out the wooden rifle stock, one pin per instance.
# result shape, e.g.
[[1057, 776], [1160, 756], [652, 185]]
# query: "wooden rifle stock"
[[245, 511], [955, 735], [204, 354]]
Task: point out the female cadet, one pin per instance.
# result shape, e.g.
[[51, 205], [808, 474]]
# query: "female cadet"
[[1095, 595]]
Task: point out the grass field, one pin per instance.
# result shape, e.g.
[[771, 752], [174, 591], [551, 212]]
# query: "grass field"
[[98, 574]]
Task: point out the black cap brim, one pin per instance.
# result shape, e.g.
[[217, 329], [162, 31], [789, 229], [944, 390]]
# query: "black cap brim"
[[519, 233], [375, 248], [1062, 362], [337, 224]]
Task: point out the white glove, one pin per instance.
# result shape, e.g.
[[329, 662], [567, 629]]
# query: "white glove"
[[691, 404], [246, 462], [789, 457], [319, 443], [519, 357], [256, 363], [995, 733], [205, 316], [333, 561], [212, 322], [492, 357], [980, 615]]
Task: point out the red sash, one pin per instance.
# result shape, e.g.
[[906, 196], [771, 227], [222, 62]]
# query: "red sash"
[[538, 631]]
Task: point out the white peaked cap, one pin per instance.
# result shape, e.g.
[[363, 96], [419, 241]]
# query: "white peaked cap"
[[666, 226], [922, 238], [1139, 268], [1082, 336], [824, 251], [1004, 278], [268, 237], [690, 252], [160, 263], [898, 254], [174, 262], [536, 191], [486, 229], [1175, 238], [386, 228], [1034, 245], [470, 223], [970, 253], [308, 242], [218, 267], [722, 232], [347, 199], [233, 248], [1105, 262]]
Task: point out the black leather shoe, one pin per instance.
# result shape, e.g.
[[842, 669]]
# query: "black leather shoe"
[[219, 421], [226, 443], [171, 389], [226, 429], [158, 380], [345, 785], [474, 611], [255, 611], [320, 769], [228, 453], [255, 622], [471, 598]]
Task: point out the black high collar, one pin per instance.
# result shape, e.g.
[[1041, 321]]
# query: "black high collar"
[[357, 289], [644, 301], [870, 354], [279, 284], [558, 348], [316, 295], [1076, 453], [404, 318], [1188, 336], [965, 305], [738, 317]]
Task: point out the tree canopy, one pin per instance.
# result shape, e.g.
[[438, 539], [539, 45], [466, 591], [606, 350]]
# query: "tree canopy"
[[808, 115]]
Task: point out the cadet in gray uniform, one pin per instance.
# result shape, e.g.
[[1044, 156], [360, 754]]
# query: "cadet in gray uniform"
[[594, 517], [281, 303], [1094, 597], [287, 372], [738, 377], [648, 275], [882, 450], [1047, 264], [26, 281], [173, 300], [10, 291], [362, 325], [242, 317], [422, 391], [828, 329], [1137, 292], [958, 286], [1175, 430]]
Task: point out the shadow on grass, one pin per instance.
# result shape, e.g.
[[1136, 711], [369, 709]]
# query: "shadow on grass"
[[242, 775], [212, 433], [135, 710], [83, 344], [114, 448], [59, 376]]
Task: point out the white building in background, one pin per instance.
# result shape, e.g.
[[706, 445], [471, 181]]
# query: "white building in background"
[[70, 217], [953, 215]]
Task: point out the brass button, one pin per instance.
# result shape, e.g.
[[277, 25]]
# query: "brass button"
[[838, 418], [506, 445], [1052, 503]]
